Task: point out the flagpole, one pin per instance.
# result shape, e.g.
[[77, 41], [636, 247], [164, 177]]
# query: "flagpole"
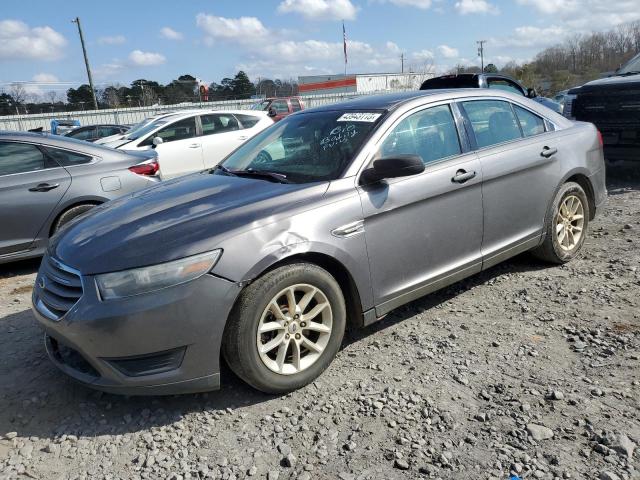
[[344, 45]]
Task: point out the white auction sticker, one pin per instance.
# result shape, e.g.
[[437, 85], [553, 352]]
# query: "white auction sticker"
[[359, 117]]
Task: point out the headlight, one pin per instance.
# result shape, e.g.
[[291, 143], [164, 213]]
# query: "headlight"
[[148, 279]]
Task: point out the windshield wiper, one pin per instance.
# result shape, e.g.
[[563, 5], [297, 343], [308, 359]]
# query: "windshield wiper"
[[224, 169], [250, 172], [633, 72]]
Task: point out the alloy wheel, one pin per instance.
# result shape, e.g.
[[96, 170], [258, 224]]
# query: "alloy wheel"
[[570, 222], [294, 329]]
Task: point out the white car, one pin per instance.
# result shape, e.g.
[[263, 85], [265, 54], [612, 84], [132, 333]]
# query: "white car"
[[191, 141]]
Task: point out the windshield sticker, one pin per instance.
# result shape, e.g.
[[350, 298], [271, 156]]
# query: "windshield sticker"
[[359, 117], [340, 134]]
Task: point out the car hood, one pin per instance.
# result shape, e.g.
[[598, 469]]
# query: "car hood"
[[609, 83], [174, 219]]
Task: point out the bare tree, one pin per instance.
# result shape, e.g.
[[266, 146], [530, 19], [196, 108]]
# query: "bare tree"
[[18, 93]]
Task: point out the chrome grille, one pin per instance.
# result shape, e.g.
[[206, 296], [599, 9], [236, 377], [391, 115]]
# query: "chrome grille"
[[58, 288]]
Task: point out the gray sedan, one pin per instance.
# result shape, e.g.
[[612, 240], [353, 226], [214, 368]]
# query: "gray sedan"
[[333, 216], [47, 180]]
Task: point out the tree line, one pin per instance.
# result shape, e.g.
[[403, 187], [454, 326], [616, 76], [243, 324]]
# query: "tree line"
[[575, 61], [142, 92]]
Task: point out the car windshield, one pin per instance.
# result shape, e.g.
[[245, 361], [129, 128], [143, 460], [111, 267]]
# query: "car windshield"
[[304, 148], [260, 105], [141, 131], [632, 65]]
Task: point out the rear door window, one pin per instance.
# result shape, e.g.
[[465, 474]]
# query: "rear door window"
[[492, 121], [530, 123], [218, 123], [430, 134], [20, 158]]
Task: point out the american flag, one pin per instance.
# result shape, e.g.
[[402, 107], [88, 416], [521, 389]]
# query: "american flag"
[[344, 43]]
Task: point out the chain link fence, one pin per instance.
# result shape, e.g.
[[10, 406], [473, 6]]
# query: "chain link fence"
[[132, 115]]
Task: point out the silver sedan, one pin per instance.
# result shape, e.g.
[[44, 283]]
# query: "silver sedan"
[[47, 180]]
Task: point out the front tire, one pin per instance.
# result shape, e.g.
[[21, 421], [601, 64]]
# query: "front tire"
[[286, 328], [566, 225]]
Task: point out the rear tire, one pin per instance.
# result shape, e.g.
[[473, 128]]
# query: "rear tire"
[[70, 214], [566, 225], [276, 348]]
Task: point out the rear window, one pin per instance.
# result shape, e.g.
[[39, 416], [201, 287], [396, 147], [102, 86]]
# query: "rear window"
[[67, 158], [247, 121], [452, 81]]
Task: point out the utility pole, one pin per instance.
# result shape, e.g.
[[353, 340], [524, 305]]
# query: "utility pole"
[[86, 62], [402, 62], [481, 53]]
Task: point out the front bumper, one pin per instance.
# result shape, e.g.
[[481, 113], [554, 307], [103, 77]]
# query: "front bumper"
[[161, 343]]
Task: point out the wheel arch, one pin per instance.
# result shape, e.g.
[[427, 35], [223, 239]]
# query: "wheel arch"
[[95, 201], [338, 270], [583, 180]]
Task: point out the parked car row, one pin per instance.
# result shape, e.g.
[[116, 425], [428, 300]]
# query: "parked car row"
[[332, 216]]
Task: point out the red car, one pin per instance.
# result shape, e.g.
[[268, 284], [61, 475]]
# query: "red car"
[[280, 107]]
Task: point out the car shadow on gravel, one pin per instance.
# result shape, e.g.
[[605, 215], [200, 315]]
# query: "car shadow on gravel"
[[22, 267]]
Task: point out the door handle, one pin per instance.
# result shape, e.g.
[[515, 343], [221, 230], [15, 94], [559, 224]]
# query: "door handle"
[[44, 187], [462, 176], [548, 152], [243, 137], [194, 145]]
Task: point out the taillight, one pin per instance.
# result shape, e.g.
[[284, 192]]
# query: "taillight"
[[600, 138], [148, 168]]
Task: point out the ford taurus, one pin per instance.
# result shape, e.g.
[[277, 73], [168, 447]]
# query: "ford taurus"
[[332, 217]]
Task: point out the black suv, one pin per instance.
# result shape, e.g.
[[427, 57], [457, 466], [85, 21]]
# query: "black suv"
[[488, 80], [613, 105]]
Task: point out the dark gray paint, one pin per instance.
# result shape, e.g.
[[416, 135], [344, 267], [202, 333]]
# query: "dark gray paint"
[[419, 233]]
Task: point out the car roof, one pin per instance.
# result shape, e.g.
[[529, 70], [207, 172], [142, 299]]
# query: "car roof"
[[386, 101], [61, 141]]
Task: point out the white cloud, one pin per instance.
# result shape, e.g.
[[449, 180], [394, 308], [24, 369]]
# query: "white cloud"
[[529, 36], [585, 15], [45, 78], [447, 51], [423, 4], [423, 55], [320, 9], [241, 30], [465, 7], [551, 6], [139, 58], [19, 41], [170, 34], [112, 40]]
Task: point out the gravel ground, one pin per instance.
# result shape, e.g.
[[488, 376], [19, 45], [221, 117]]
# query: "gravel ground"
[[524, 369]]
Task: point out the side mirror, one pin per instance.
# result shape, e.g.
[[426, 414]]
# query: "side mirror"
[[531, 93], [392, 167], [157, 141], [272, 112]]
